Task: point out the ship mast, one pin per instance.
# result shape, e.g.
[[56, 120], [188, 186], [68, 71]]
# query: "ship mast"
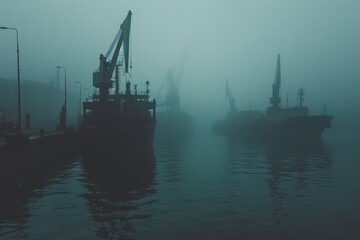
[[275, 99]]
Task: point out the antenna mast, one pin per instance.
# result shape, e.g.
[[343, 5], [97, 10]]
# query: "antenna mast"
[[275, 99]]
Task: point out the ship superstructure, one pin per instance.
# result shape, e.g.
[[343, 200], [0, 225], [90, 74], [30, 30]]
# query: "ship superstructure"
[[118, 119]]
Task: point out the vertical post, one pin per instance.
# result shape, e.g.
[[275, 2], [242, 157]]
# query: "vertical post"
[[65, 91], [18, 76], [18, 73], [79, 100], [63, 110], [117, 81], [80, 105], [287, 100], [154, 109]]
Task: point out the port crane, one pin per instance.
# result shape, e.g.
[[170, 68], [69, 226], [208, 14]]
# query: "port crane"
[[102, 77], [113, 109]]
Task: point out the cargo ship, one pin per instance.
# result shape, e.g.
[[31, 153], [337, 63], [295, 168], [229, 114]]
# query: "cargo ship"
[[121, 120], [292, 124], [174, 125]]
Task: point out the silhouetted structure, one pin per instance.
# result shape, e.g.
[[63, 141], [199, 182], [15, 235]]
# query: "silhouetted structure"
[[121, 119], [173, 124], [276, 123], [42, 101]]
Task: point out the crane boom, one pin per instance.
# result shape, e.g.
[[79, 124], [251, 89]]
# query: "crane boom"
[[124, 37], [102, 77], [229, 96]]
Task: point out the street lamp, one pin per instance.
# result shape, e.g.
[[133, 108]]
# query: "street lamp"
[[18, 73], [63, 110], [79, 100]]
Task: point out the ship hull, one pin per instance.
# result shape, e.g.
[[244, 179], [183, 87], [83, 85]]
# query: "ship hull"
[[294, 129], [298, 129], [116, 139], [121, 151]]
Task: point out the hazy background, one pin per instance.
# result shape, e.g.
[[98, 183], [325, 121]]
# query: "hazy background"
[[319, 43]]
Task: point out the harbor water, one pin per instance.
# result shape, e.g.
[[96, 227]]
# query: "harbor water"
[[206, 188]]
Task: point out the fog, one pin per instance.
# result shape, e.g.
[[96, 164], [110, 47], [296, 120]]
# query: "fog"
[[319, 43]]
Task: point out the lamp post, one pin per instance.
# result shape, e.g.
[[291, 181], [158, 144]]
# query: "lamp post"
[[79, 100], [64, 107], [18, 75]]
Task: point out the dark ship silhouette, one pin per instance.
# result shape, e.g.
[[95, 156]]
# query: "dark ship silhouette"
[[292, 124], [120, 120], [173, 124]]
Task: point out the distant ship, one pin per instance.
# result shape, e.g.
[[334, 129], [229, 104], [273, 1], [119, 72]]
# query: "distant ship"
[[277, 123], [173, 124], [120, 120]]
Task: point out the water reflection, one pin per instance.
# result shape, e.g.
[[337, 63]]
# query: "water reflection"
[[294, 175], [119, 189], [13, 211], [170, 158], [19, 191], [204, 189]]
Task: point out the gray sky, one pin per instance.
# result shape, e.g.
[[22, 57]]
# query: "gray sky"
[[319, 43]]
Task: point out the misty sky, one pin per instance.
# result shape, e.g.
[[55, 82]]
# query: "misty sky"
[[319, 43]]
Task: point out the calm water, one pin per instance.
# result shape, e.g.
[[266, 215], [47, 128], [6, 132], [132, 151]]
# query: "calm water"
[[209, 188]]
